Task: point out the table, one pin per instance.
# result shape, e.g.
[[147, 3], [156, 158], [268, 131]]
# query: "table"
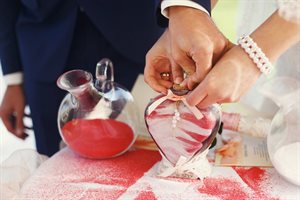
[[133, 176]]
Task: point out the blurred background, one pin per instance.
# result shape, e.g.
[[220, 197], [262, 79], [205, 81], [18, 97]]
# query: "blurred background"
[[224, 15]]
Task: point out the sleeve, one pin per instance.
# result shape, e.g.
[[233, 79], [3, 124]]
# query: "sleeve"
[[161, 20], [15, 78], [9, 51], [204, 5], [188, 3], [289, 10]]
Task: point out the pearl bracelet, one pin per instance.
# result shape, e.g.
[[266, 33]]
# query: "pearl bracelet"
[[256, 54]]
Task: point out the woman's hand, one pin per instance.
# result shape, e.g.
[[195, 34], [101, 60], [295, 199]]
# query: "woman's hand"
[[235, 72], [230, 78], [158, 61]]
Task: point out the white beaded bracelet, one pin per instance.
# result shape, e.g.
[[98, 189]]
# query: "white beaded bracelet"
[[256, 54]]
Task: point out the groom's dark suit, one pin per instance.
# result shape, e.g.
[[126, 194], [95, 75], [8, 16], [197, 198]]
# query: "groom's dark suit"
[[44, 38]]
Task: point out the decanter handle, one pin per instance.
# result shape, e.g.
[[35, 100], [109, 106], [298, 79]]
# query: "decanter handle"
[[102, 68]]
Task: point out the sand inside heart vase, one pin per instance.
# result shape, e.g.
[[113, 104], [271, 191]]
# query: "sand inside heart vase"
[[177, 131]]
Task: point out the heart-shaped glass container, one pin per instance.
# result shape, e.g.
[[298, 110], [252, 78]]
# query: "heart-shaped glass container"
[[176, 129]]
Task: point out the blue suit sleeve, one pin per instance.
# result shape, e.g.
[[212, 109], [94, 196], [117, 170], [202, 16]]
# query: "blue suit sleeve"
[[163, 22], [9, 51]]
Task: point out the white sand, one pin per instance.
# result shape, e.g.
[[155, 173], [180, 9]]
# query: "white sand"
[[286, 160]]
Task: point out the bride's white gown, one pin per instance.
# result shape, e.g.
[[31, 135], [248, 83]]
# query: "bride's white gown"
[[252, 13]]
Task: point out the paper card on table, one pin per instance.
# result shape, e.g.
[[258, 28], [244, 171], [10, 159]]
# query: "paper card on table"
[[247, 151]]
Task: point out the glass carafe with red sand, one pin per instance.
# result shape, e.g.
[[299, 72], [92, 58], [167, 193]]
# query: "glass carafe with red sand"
[[97, 118]]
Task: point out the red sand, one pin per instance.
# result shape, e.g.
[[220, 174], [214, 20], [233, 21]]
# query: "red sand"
[[253, 177], [97, 138], [68, 176], [225, 189]]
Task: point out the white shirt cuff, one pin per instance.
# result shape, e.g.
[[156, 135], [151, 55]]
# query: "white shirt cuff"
[[165, 4], [13, 78]]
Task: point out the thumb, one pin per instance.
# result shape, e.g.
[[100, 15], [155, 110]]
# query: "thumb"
[[177, 72]]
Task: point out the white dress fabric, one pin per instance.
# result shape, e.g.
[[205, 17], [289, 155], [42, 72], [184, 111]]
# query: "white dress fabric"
[[252, 13], [15, 171]]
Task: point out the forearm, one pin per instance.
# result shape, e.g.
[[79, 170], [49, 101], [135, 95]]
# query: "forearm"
[[276, 35]]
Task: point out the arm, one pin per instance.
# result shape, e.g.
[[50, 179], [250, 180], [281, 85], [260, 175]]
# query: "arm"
[[13, 102], [235, 73], [9, 52], [273, 30]]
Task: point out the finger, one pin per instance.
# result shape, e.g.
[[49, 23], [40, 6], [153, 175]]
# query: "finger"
[[8, 123], [24, 136], [203, 62], [184, 83], [192, 82], [185, 62], [19, 130], [188, 83], [155, 85], [164, 83], [197, 95], [153, 78], [207, 101], [177, 72]]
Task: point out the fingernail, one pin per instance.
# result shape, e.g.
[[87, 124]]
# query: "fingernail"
[[24, 136], [178, 80], [19, 132], [182, 84]]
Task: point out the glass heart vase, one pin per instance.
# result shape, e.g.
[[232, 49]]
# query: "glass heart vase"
[[180, 130]]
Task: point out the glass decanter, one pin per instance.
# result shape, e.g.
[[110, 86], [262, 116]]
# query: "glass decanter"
[[283, 139], [96, 119], [181, 131]]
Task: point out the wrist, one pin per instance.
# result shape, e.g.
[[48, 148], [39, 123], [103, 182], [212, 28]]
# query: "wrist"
[[255, 54], [276, 35], [239, 58]]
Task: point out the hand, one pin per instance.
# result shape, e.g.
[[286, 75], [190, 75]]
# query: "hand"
[[157, 62], [12, 106], [196, 43], [229, 79]]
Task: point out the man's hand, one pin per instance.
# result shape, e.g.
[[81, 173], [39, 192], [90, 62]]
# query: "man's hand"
[[12, 110], [157, 62], [230, 78], [196, 44]]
